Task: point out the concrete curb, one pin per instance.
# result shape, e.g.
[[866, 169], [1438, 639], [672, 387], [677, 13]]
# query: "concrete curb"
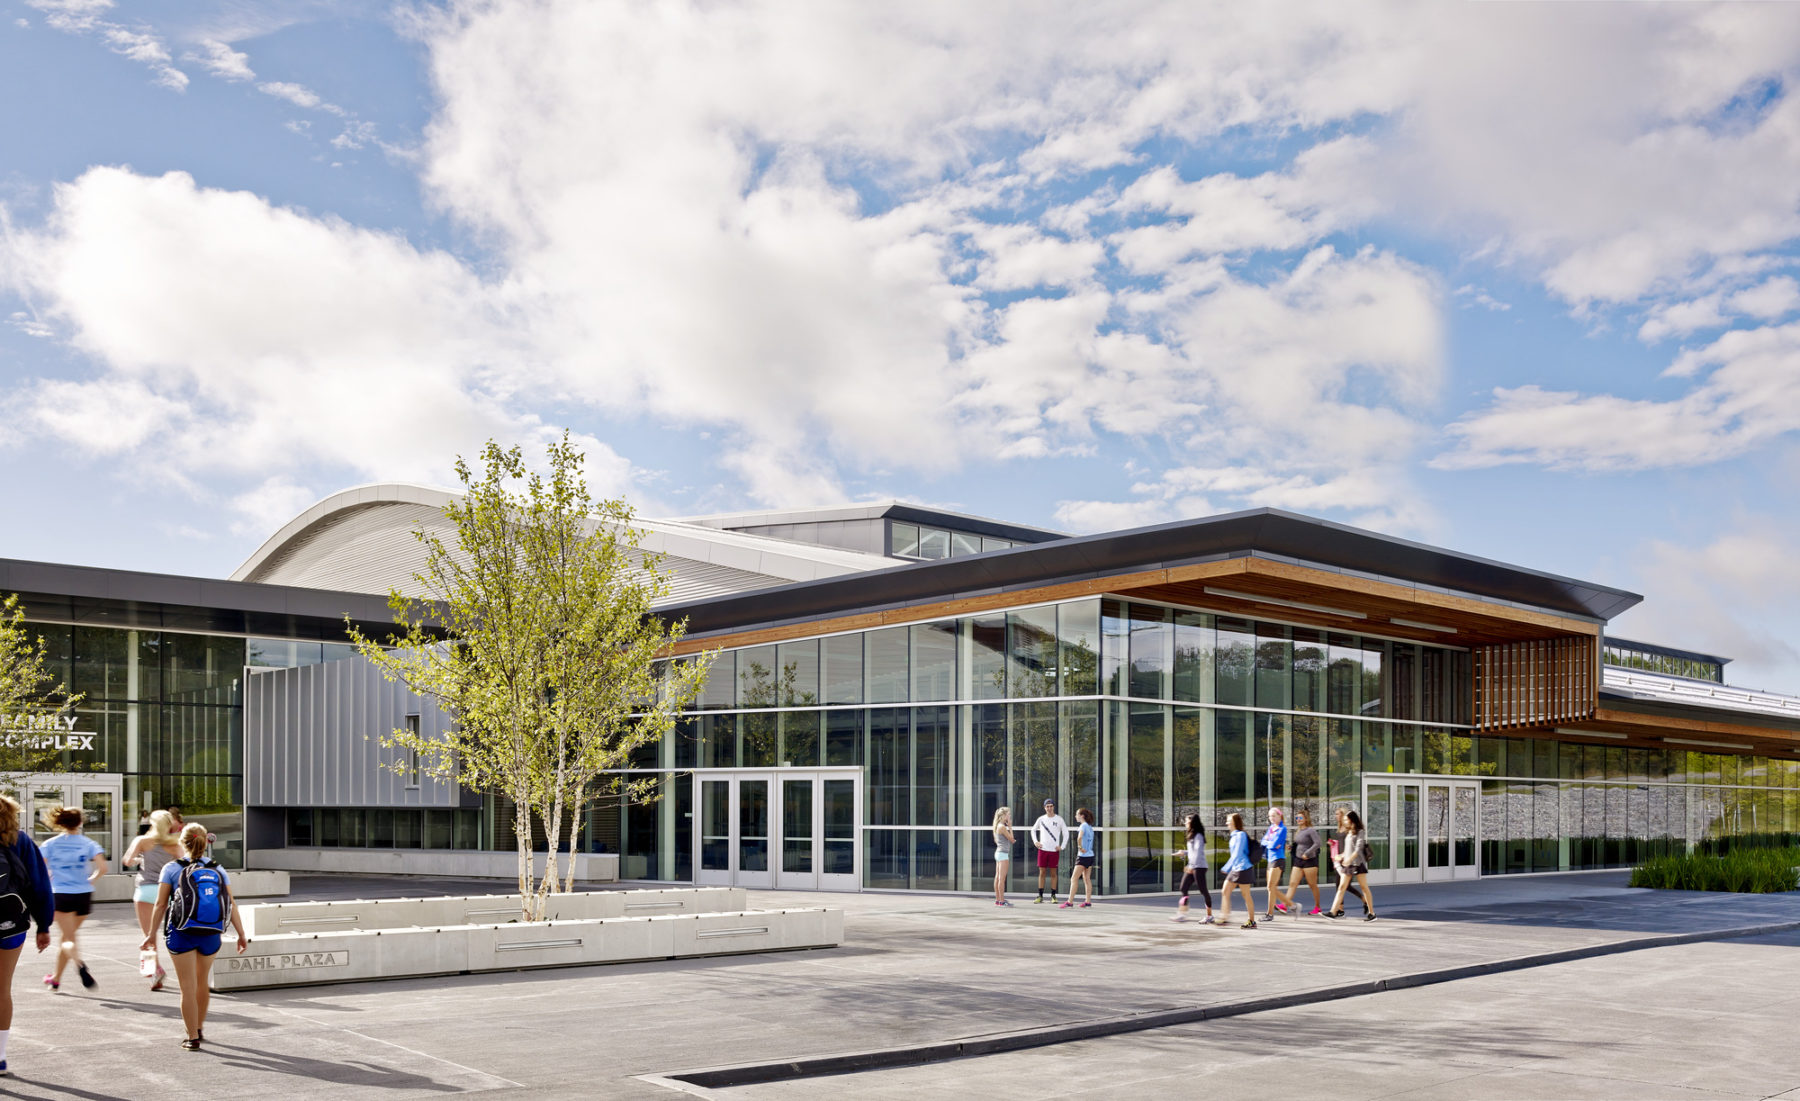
[[888, 1058]]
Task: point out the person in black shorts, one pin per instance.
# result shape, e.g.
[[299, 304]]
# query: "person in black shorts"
[[75, 862]]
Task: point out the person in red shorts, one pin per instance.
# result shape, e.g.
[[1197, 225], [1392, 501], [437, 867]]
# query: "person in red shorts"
[[1049, 833]]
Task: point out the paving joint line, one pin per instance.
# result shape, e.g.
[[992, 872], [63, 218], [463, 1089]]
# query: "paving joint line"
[[746, 1074]]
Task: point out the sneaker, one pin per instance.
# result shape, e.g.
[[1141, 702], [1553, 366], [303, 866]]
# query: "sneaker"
[[3, 1071], [1065, 906], [1282, 906], [1038, 901], [1368, 917], [1085, 905], [156, 983], [1179, 917], [1005, 903], [190, 1045], [50, 981], [1251, 924], [1315, 912], [1209, 920], [87, 980]]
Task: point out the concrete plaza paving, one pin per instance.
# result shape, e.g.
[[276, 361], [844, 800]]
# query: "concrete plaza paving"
[[920, 969]]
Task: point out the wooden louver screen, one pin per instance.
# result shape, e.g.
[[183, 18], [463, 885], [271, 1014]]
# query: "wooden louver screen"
[[1536, 683]]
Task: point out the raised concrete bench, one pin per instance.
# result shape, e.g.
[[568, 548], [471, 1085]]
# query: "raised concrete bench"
[[456, 863], [307, 959], [259, 884], [402, 913]]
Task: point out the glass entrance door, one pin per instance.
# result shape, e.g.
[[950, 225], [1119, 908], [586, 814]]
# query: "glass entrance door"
[[98, 795], [1450, 831], [1421, 828], [794, 829]]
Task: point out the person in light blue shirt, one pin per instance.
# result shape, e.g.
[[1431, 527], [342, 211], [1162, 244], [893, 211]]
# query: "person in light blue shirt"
[[1083, 872], [1239, 872], [75, 861], [1274, 844]]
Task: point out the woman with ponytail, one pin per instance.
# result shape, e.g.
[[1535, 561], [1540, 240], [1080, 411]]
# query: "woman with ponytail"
[[151, 852], [193, 906], [26, 899]]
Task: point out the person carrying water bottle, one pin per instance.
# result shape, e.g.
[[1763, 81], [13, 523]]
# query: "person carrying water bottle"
[[193, 906]]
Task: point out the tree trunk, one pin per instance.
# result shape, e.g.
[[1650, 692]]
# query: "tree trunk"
[[522, 838], [578, 805]]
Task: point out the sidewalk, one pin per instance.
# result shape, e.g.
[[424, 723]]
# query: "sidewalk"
[[914, 969]]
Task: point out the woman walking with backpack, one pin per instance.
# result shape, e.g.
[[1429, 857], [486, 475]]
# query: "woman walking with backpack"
[[150, 852], [1240, 872], [1193, 877], [194, 905], [27, 898], [75, 861], [1353, 863]]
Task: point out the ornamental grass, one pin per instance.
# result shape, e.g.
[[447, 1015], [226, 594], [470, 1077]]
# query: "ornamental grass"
[[1748, 871]]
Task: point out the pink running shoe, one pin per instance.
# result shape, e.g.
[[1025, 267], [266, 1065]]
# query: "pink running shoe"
[[1282, 906], [1314, 912], [1064, 905], [1085, 905]]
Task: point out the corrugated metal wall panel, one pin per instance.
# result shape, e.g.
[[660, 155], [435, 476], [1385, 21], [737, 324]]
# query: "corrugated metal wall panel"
[[312, 738]]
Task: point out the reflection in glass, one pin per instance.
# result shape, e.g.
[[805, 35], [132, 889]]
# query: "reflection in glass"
[[715, 825], [753, 825], [797, 826]]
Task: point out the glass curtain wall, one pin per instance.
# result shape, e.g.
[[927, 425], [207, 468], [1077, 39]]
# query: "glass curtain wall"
[[1144, 714]]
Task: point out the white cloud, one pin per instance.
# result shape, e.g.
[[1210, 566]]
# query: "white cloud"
[[1735, 595], [1770, 299], [1750, 396], [222, 61], [864, 238], [297, 94], [138, 43], [1092, 516]]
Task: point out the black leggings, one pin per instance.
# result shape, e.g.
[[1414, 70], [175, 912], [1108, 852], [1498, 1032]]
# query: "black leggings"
[[1195, 878]]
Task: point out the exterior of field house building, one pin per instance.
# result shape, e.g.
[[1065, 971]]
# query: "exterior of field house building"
[[888, 675]]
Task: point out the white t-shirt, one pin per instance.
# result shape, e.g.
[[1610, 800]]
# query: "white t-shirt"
[[1050, 833]]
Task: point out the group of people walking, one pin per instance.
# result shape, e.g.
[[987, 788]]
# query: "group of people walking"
[[1050, 835], [179, 891]]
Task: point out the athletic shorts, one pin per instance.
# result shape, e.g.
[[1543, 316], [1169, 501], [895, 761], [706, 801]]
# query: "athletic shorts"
[[207, 944], [1002, 855], [1048, 860], [1242, 875], [1280, 865], [78, 903], [145, 892], [1084, 861], [17, 940]]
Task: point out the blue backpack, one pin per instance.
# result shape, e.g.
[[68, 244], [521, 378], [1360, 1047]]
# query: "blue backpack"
[[199, 902]]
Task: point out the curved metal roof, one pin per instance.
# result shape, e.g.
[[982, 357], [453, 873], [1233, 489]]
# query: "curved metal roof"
[[362, 540]]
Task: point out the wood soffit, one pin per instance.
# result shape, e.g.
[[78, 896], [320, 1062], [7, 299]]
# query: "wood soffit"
[[1651, 731], [1476, 622]]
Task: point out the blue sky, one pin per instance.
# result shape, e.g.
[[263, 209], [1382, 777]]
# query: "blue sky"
[[1513, 279]]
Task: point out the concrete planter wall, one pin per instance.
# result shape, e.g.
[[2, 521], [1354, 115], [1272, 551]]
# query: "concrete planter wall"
[[460, 863], [117, 888], [399, 913], [306, 959]]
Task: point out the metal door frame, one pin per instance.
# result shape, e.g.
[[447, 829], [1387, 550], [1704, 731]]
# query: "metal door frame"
[[1424, 873], [73, 786], [775, 878]]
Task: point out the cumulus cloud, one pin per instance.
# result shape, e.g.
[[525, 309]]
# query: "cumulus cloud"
[[221, 60], [1735, 595], [1749, 395], [879, 238]]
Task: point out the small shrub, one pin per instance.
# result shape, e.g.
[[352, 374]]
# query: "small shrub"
[[1749, 871]]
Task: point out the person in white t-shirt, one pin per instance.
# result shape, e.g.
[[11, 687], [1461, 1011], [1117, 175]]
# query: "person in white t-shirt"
[[1049, 833]]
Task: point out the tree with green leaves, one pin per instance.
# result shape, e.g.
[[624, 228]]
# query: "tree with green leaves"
[[532, 628], [36, 710]]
